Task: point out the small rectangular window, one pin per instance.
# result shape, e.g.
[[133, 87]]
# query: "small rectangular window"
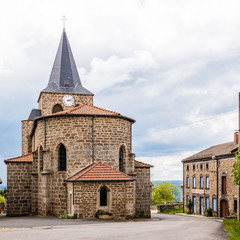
[[194, 182], [187, 182], [207, 182], [187, 199], [207, 166], [193, 166], [200, 166], [187, 167], [224, 185], [207, 203], [201, 182], [214, 203], [235, 205]]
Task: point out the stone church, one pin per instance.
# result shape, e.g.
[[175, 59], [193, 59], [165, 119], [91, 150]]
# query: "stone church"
[[76, 158]]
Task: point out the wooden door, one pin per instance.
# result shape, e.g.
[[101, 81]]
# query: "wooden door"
[[224, 208]]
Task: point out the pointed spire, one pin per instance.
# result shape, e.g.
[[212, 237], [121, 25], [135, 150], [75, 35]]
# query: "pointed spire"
[[64, 77]]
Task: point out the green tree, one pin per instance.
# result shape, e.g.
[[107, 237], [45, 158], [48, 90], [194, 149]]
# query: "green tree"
[[164, 192], [236, 169]]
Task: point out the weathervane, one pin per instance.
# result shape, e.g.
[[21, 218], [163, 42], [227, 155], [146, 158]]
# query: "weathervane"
[[64, 19]]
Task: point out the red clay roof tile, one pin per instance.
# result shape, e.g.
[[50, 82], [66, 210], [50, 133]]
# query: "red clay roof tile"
[[87, 109], [141, 164], [23, 158], [99, 172]]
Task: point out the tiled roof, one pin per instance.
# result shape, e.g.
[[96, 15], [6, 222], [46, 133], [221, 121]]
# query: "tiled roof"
[[87, 109], [21, 159], [99, 172], [217, 150], [141, 164]]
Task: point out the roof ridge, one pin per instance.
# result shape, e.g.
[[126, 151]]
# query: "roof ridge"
[[117, 113], [93, 166]]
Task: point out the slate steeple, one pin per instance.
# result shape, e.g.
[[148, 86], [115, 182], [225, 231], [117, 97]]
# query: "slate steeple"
[[64, 76]]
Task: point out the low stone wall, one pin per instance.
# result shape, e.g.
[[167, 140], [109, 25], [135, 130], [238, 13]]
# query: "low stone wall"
[[163, 207]]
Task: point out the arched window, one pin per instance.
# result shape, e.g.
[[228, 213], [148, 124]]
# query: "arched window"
[[103, 196], [121, 159], [57, 108], [62, 158]]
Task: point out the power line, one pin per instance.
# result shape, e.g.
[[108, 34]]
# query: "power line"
[[201, 120]]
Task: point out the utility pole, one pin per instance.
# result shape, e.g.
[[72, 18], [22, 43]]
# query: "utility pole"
[[238, 199]]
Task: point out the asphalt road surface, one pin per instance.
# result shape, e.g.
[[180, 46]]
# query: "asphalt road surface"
[[164, 227]]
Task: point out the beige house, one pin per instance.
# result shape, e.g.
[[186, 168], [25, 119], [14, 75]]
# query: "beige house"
[[76, 158], [207, 180]]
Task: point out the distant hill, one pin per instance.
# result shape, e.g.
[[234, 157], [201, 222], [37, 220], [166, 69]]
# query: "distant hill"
[[175, 182]]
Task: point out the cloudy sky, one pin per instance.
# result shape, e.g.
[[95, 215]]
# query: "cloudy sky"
[[163, 63]]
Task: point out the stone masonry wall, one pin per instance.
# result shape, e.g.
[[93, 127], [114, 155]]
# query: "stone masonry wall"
[[224, 169], [18, 188], [26, 141], [48, 100], [143, 192], [75, 132], [121, 200]]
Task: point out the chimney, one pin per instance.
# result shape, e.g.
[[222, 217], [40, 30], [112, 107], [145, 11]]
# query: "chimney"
[[236, 138]]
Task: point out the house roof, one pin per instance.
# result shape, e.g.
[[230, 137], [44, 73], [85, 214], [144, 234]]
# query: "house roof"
[[141, 164], [87, 109], [33, 114], [21, 159], [99, 172], [216, 150], [64, 76]]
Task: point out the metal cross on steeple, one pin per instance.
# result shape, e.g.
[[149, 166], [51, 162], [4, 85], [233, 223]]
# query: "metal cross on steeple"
[[64, 19]]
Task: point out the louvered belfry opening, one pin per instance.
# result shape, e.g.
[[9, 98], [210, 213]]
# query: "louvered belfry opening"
[[62, 158], [57, 108], [103, 197]]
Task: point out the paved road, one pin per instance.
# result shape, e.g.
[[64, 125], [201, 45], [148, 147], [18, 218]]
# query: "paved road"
[[165, 227]]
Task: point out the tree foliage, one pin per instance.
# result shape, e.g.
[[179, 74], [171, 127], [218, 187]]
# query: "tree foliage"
[[236, 169], [164, 192]]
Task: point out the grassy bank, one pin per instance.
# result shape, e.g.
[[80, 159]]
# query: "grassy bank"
[[232, 226], [173, 211]]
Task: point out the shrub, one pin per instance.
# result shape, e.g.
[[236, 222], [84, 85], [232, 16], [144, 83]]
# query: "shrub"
[[102, 212], [2, 199], [67, 216], [209, 212]]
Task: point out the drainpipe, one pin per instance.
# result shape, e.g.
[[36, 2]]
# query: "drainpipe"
[[44, 133], [93, 138], [73, 198]]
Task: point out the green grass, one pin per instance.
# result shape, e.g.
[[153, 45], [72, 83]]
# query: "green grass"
[[232, 226], [173, 211]]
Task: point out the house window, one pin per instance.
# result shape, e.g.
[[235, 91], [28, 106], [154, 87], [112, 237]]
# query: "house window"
[[207, 166], [187, 199], [187, 167], [200, 166], [103, 197], [214, 204], [121, 159], [41, 158], [188, 182], [193, 166], [207, 202], [224, 185], [235, 205], [201, 181], [194, 182], [57, 108], [207, 182], [62, 158]]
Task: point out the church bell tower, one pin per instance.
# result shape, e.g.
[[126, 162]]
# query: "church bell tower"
[[64, 89]]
